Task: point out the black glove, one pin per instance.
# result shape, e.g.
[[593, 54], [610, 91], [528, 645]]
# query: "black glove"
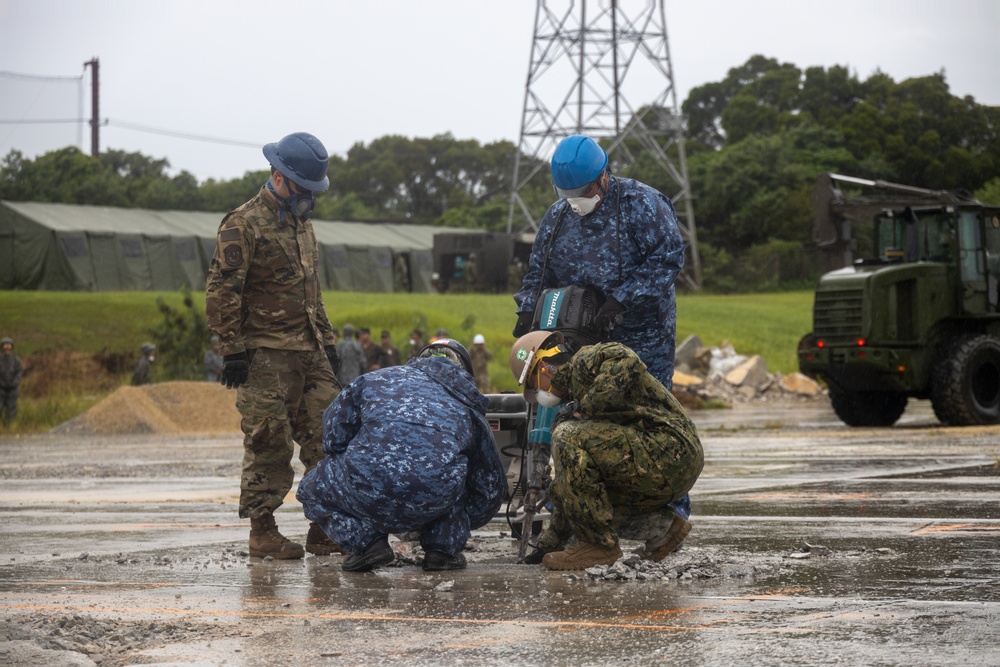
[[566, 413], [333, 358], [523, 325], [610, 314], [235, 369]]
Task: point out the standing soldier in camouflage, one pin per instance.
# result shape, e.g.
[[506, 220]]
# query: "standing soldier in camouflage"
[[416, 343], [263, 300], [623, 447], [11, 372], [374, 354], [142, 370], [352, 357], [481, 358], [393, 357]]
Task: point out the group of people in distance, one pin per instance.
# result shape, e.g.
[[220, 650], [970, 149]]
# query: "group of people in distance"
[[406, 448]]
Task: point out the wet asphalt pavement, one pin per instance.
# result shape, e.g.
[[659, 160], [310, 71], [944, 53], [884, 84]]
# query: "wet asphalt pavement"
[[813, 543]]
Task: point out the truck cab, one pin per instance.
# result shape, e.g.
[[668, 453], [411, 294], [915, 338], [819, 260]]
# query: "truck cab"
[[917, 317]]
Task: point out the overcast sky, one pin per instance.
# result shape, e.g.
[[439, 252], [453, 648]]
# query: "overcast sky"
[[352, 71]]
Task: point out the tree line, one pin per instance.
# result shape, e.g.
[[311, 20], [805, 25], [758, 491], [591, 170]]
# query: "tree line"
[[756, 142]]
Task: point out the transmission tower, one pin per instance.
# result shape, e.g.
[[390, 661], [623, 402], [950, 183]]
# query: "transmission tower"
[[585, 57]]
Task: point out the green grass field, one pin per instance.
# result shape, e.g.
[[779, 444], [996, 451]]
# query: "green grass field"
[[90, 322]]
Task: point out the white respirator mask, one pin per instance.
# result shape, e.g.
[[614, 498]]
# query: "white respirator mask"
[[583, 205], [547, 399]]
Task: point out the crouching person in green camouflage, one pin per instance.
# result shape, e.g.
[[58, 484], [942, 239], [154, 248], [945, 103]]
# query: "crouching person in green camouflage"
[[623, 449]]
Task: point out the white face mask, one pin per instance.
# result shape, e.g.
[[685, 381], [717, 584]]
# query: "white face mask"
[[152, 358], [547, 399], [583, 205]]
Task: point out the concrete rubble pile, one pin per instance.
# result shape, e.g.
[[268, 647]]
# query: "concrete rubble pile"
[[720, 374], [684, 566]]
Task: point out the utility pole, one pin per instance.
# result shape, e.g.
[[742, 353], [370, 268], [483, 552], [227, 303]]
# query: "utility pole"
[[95, 105], [584, 64]]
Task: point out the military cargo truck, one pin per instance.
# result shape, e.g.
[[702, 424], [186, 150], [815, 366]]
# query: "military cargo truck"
[[917, 315]]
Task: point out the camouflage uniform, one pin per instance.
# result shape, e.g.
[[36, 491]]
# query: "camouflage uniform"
[[352, 357], [263, 297], [407, 448], [391, 355], [142, 371], [481, 357], [631, 454], [375, 357], [11, 372], [630, 249]]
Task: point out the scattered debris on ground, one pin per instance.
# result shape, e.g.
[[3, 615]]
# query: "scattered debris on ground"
[[810, 550], [79, 639], [685, 565], [85, 640], [166, 407]]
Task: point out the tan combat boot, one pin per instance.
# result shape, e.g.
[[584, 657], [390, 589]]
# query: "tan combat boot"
[[265, 540], [318, 544], [658, 548], [580, 556]]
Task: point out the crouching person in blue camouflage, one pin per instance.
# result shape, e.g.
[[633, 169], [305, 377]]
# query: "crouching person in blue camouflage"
[[623, 449], [408, 448]]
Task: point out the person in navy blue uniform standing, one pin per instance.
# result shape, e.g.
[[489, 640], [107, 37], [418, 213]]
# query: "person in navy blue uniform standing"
[[408, 448], [619, 236]]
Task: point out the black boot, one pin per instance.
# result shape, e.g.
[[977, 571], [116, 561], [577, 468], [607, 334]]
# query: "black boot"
[[438, 561], [378, 552], [533, 558]]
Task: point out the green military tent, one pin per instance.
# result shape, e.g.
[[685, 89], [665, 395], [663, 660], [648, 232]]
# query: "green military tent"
[[76, 247]]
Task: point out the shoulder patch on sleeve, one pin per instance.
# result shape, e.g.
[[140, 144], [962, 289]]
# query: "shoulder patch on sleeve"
[[234, 255], [229, 235]]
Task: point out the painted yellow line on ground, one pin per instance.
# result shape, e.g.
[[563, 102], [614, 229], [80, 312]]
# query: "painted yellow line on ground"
[[959, 528], [118, 528], [559, 625]]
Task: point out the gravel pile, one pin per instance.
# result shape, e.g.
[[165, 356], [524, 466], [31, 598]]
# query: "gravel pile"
[[167, 407]]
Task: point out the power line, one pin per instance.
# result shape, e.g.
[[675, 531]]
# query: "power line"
[[18, 75], [42, 121], [136, 127], [180, 135]]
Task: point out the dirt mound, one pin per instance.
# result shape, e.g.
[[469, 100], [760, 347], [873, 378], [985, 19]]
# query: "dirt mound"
[[166, 407], [53, 372]]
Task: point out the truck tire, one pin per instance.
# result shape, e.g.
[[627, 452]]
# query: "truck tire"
[[868, 408], [965, 389]]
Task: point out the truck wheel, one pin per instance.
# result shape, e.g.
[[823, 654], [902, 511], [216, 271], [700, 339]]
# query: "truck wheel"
[[868, 408], [965, 390]]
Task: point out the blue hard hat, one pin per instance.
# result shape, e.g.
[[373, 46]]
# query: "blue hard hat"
[[577, 163], [302, 159]]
